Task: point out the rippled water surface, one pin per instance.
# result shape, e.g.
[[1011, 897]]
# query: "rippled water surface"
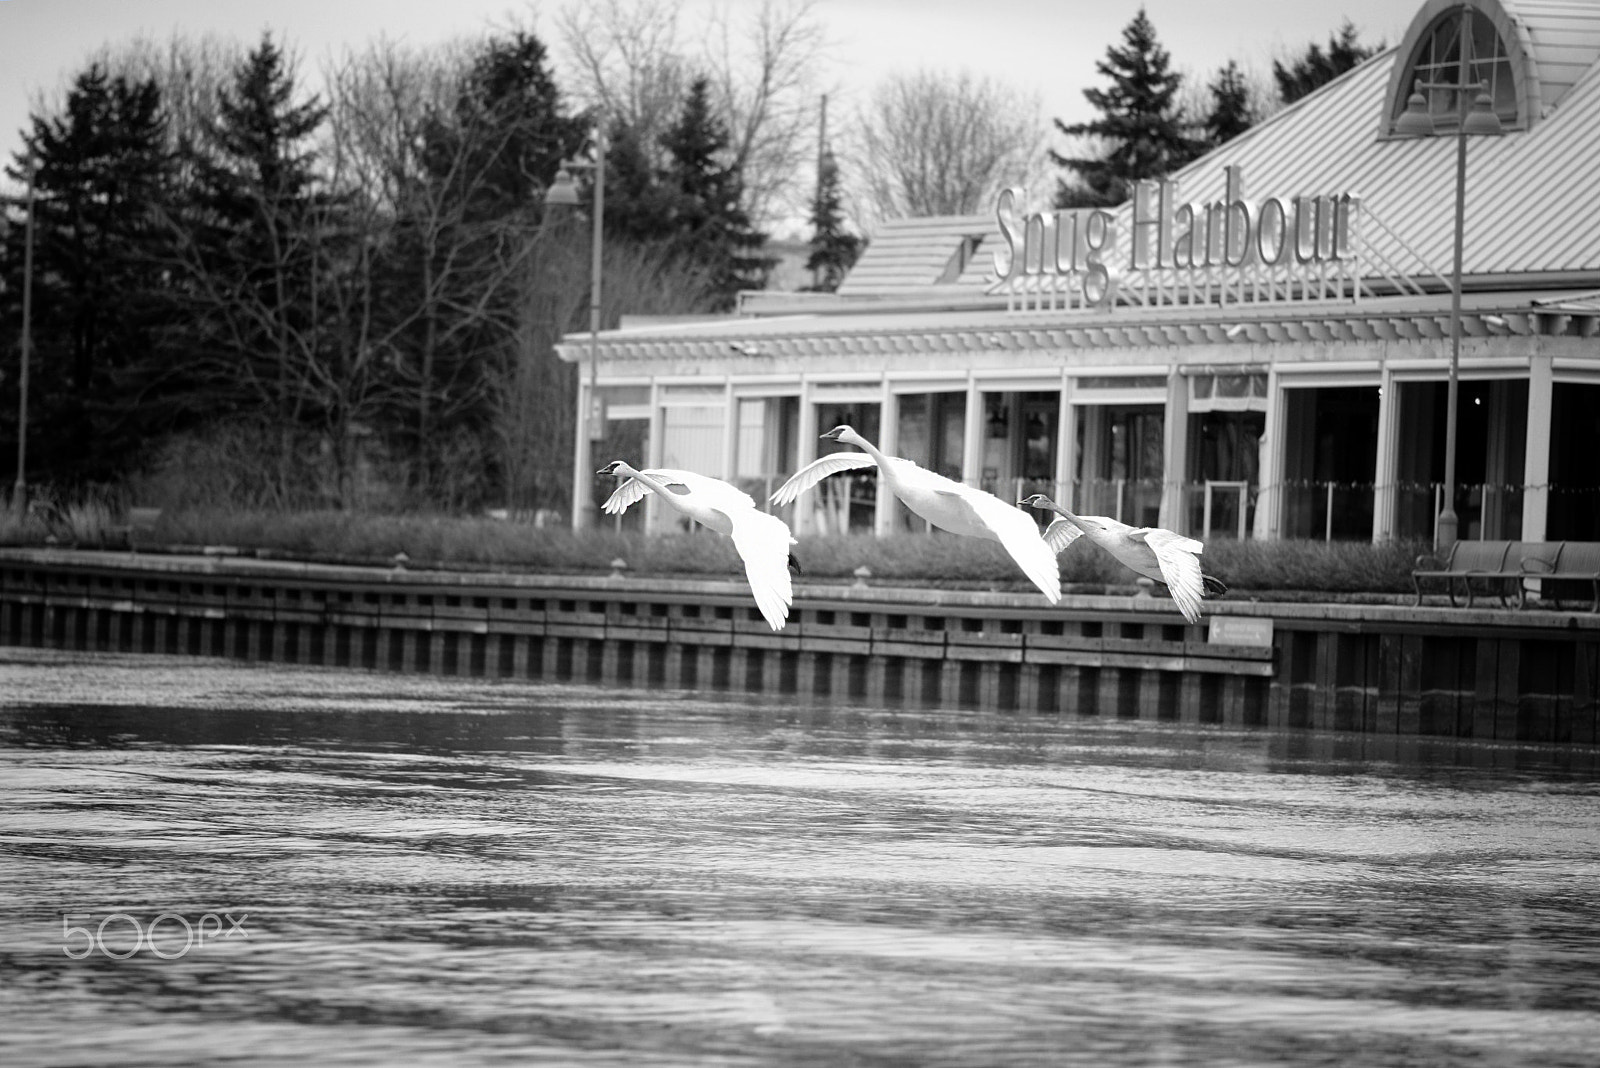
[[439, 871]]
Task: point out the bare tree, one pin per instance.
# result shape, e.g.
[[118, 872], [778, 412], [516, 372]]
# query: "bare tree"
[[633, 62], [933, 143], [630, 62], [450, 324], [765, 75]]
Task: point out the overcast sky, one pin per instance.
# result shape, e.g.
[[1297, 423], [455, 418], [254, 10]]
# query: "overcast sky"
[[1048, 47]]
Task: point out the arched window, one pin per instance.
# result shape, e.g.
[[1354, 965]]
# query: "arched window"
[[1437, 58]]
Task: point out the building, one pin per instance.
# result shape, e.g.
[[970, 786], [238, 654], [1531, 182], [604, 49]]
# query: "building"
[[1260, 346]]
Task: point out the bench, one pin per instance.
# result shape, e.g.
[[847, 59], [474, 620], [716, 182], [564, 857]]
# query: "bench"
[[1571, 566], [1493, 563], [1514, 568]]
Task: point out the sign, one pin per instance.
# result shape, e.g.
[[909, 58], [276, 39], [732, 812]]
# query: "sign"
[[1176, 250], [1240, 630]]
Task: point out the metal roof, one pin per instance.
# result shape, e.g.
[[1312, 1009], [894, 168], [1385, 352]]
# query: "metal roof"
[[1529, 214]]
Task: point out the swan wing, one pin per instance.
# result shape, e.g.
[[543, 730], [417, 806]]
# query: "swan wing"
[[631, 492], [678, 483], [1061, 533], [1016, 531], [763, 543], [817, 470], [1180, 569]]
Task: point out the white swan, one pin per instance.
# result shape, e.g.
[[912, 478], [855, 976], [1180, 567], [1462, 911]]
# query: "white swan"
[[762, 540], [1151, 551], [946, 504]]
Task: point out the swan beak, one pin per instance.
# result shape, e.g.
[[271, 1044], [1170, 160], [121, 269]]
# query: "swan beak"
[[833, 435]]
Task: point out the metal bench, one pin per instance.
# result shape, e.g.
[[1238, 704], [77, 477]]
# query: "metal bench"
[[1488, 562], [1571, 566]]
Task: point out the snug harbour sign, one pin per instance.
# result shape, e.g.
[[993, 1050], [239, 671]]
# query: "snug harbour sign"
[[1175, 251]]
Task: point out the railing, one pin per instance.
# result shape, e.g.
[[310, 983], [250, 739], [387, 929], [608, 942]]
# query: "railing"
[[1315, 509]]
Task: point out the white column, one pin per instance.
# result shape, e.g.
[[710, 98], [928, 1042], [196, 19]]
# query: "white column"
[[1175, 450], [582, 460], [889, 442], [807, 451], [972, 443], [655, 448], [1269, 467], [730, 430], [1387, 470], [1067, 445], [1536, 465]]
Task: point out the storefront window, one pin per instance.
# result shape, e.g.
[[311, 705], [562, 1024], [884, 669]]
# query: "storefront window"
[[847, 502]]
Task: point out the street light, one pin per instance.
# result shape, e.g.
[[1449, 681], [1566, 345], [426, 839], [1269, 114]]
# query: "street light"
[[563, 193], [20, 491], [1480, 122]]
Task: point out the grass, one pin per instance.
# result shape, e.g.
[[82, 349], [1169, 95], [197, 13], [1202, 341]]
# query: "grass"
[[1300, 569]]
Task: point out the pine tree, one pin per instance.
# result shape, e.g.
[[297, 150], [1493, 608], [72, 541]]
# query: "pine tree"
[[1316, 68], [833, 249], [1231, 112], [100, 169], [510, 130], [253, 239], [710, 227], [1140, 124], [638, 203]]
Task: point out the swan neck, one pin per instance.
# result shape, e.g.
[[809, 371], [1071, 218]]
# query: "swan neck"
[[872, 450]]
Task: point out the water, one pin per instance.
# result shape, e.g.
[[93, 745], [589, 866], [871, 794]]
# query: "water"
[[430, 871]]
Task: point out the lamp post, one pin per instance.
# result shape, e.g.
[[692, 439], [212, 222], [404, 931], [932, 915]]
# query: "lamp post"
[[20, 490], [563, 193], [1481, 121]]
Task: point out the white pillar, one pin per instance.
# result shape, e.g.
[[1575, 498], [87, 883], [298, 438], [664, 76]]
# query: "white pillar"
[[889, 442], [730, 430], [807, 451], [582, 461], [655, 449], [1067, 445], [1269, 466], [1175, 453], [1387, 470], [972, 443], [1536, 464]]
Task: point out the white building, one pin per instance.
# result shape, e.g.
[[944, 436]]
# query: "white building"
[[1259, 347]]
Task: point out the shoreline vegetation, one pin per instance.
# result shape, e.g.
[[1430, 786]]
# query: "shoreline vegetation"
[[1276, 570]]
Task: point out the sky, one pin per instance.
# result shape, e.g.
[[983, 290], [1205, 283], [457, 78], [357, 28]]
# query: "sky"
[[1043, 47]]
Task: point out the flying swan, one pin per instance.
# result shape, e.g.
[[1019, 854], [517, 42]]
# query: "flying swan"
[[762, 540], [946, 504], [1151, 551]]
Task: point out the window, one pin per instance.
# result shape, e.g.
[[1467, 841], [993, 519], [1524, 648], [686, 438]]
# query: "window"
[[1437, 58], [959, 259]]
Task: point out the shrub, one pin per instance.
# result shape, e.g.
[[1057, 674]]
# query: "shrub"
[[901, 559]]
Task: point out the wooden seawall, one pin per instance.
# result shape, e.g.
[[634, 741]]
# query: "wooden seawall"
[[1483, 673]]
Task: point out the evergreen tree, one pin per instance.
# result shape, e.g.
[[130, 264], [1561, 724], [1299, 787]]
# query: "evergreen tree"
[[100, 169], [510, 130], [252, 228], [1315, 68], [256, 232], [833, 249], [639, 205], [1140, 123], [460, 266], [1231, 112], [710, 226]]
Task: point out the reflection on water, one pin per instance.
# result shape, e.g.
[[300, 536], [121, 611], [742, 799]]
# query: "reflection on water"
[[431, 871]]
